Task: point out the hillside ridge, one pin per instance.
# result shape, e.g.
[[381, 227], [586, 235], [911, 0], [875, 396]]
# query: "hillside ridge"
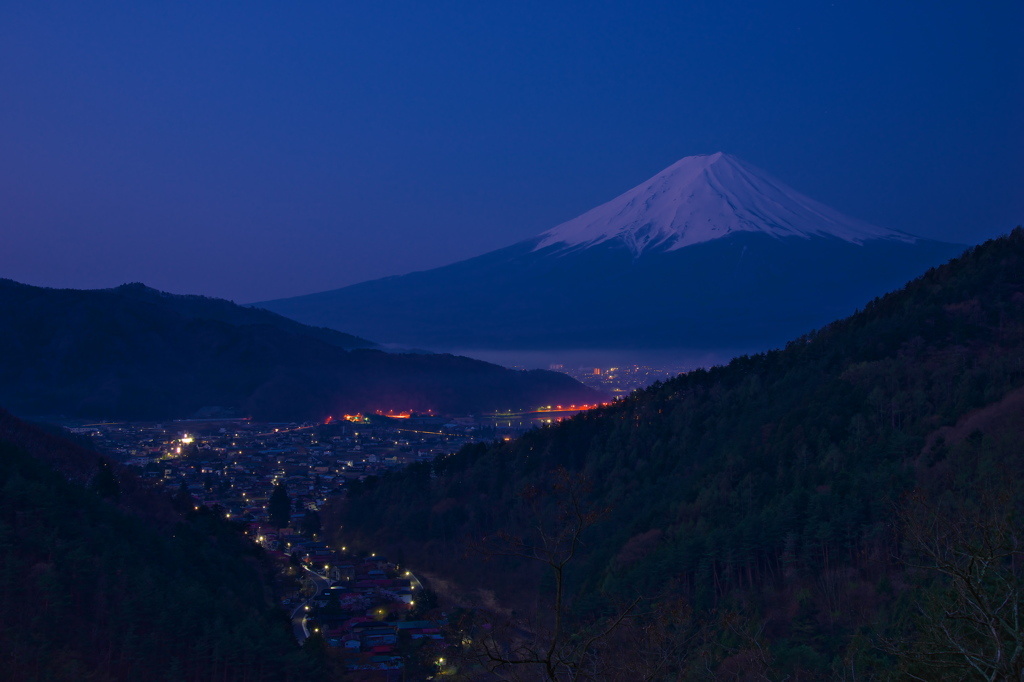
[[130, 353], [748, 487]]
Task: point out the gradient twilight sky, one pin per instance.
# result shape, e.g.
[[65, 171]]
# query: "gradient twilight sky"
[[255, 150]]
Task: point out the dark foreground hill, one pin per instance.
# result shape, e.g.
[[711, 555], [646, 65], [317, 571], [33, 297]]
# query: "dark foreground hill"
[[135, 353], [119, 585], [768, 488]]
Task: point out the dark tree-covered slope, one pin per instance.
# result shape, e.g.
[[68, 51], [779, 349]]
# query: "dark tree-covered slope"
[[101, 582], [134, 353], [769, 484]]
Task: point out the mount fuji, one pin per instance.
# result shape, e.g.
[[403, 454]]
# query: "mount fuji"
[[710, 253]]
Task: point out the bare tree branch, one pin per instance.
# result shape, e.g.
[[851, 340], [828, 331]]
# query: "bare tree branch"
[[971, 627]]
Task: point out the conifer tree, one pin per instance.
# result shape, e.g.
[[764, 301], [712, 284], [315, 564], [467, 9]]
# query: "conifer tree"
[[279, 507], [183, 500]]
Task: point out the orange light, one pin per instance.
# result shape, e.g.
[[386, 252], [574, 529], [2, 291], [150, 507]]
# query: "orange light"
[[395, 415]]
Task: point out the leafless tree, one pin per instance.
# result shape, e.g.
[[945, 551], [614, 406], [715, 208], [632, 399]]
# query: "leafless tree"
[[545, 647], [971, 628]]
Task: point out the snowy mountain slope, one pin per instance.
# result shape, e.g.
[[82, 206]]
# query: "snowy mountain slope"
[[701, 198], [710, 253]]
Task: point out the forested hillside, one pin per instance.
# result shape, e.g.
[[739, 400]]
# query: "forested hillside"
[[136, 353], [102, 579], [769, 488]]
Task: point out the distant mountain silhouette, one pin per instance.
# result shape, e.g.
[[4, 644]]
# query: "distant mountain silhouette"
[[136, 353], [206, 308], [709, 253]]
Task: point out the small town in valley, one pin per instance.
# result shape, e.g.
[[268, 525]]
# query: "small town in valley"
[[377, 614], [275, 479]]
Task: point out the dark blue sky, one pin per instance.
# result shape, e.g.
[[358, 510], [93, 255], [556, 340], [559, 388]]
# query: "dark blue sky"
[[254, 150]]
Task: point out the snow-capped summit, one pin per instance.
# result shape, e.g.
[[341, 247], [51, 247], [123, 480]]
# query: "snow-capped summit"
[[701, 198], [711, 253]]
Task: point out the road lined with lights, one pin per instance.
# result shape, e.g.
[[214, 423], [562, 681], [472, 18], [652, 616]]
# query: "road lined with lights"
[[299, 628], [291, 430]]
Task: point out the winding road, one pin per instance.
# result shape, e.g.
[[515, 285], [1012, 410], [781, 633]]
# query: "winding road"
[[299, 628]]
